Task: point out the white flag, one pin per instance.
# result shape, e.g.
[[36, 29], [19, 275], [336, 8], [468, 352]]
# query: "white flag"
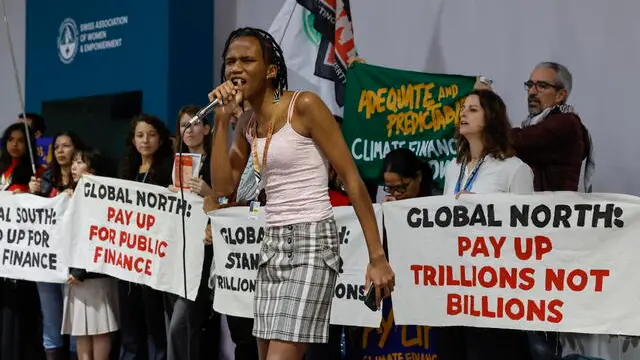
[[293, 30]]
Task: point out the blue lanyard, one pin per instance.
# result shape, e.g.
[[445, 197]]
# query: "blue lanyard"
[[472, 178]]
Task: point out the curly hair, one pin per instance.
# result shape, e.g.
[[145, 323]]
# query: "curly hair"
[[161, 167], [496, 138]]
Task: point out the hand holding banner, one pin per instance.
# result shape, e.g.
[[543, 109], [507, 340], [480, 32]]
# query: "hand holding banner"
[[134, 232], [386, 109]]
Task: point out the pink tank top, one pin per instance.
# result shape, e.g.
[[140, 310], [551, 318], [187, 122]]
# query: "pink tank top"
[[295, 178]]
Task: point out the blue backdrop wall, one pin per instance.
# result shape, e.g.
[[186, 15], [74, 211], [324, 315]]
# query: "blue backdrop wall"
[[163, 48]]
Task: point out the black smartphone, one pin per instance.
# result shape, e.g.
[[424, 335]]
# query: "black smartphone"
[[370, 299]]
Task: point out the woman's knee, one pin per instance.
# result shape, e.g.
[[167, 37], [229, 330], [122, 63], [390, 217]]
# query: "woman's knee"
[[263, 348], [284, 350]]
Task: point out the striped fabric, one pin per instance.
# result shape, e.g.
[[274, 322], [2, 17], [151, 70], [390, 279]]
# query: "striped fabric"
[[298, 268], [248, 186]]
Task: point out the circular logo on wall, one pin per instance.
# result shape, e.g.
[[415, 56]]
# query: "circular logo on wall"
[[68, 41]]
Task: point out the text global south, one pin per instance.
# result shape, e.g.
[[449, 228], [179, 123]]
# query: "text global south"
[[41, 216]]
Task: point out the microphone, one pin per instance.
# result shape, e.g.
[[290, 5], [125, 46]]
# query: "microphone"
[[207, 109], [204, 112]]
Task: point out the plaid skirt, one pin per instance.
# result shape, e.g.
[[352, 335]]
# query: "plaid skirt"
[[296, 279]]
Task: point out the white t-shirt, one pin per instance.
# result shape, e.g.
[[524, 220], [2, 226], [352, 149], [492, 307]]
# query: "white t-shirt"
[[494, 176]]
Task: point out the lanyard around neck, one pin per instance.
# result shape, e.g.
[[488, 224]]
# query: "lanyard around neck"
[[257, 166], [144, 178], [471, 179]]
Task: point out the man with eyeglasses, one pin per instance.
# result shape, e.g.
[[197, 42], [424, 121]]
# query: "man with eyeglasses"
[[554, 143], [552, 140]]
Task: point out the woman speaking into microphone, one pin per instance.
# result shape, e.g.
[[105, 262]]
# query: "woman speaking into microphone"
[[292, 137]]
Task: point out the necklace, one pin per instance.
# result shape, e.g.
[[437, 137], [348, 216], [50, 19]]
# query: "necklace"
[[257, 166]]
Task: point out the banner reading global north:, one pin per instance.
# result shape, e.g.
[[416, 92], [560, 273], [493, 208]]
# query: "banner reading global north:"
[[134, 232], [29, 246], [237, 241], [549, 261], [386, 109]]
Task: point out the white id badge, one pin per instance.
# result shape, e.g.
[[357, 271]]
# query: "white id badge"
[[254, 205], [254, 209]]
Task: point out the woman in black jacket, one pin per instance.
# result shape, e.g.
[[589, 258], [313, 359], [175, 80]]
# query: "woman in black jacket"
[[55, 179], [194, 328], [148, 159]]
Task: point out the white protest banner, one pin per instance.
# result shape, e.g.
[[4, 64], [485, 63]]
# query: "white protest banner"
[[134, 232], [551, 261], [29, 250], [236, 254], [237, 241], [348, 307]]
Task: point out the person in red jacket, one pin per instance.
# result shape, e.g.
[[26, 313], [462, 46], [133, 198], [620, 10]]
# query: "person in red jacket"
[[337, 195], [20, 337], [552, 140], [15, 162]]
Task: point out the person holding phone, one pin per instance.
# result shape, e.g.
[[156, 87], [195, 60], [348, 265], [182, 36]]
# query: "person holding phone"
[[292, 137]]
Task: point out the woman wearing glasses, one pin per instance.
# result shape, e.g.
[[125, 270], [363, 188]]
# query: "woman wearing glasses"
[[406, 176]]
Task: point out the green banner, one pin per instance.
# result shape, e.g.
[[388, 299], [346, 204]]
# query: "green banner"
[[387, 108]]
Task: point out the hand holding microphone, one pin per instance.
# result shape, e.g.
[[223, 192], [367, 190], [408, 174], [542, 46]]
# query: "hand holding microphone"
[[225, 99], [230, 96]]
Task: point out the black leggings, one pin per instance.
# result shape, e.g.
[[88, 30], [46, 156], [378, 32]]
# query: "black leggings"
[[20, 321], [142, 326], [193, 328], [241, 330]]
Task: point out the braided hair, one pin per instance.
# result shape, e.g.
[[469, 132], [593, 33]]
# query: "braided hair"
[[271, 52]]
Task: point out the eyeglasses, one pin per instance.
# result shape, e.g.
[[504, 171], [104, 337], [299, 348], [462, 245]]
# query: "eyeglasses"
[[398, 189], [540, 85]]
